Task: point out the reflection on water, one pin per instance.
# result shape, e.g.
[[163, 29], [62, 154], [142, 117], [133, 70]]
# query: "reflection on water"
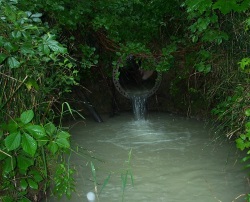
[[173, 160]]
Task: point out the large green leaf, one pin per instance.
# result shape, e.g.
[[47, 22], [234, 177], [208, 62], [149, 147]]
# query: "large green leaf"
[[13, 62], [11, 127], [36, 20], [27, 116], [24, 163], [63, 134], [16, 34], [9, 164], [56, 47], [29, 145], [49, 42], [36, 131], [2, 57], [10, 47], [36, 175], [44, 48], [23, 184], [13, 141], [32, 184], [53, 147], [50, 129], [36, 15], [63, 142], [27, 49]]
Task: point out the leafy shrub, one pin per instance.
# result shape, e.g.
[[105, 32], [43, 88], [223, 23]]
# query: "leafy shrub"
[[32, 63], [26, 152], [35, 73]]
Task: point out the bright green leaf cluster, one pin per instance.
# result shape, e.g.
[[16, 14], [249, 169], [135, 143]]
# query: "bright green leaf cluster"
[[64, 181], [245, 65], [243, 142], [31, 55]]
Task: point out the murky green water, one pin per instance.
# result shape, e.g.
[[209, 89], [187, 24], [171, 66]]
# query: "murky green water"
[[174, 159]]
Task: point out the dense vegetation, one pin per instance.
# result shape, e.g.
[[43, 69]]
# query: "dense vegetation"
[[48, 48]]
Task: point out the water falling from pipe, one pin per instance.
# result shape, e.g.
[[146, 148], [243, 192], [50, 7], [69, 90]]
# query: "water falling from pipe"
[[136, 83], [139, 106]]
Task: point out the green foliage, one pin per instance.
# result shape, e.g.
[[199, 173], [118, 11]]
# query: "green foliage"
[[221, 27], [205, 12], [243, 141], [89, 58], [207, 27], [229, 113], [64, 181], [244, 65], [199, 41], [22, 150], [167, 58], [26, 35], [114, 29], [35, 72], [32, 62]]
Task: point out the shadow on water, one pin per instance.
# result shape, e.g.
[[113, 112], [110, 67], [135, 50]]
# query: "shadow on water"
[[173, 159]]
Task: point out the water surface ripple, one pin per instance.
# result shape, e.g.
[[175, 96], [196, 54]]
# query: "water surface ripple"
[[174, 159]]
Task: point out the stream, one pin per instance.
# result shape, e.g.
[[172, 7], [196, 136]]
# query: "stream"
[[173, 159]]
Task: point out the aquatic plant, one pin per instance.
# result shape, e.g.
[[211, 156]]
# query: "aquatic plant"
[[125, 174]]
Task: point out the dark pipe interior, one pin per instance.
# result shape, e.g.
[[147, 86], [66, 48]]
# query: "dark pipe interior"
[[133, 78]]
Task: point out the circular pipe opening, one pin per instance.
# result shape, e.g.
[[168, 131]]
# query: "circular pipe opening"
[[130, 79]]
